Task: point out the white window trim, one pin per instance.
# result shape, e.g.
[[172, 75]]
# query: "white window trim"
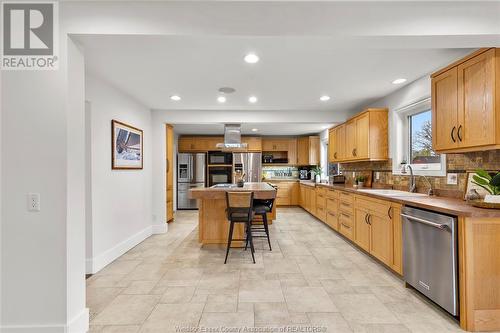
[[402, 139]]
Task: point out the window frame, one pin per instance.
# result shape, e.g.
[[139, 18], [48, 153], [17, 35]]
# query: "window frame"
[[403, 149]]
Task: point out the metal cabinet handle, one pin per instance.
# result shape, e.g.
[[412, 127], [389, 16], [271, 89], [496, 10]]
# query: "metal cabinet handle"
[[168, 165], [389, 212], [366, 218], [330, 213], [459, 133], [354, 153], [453, 134], [369, 219], [335, 155], [345, 226], [345, 215], [430, 223]]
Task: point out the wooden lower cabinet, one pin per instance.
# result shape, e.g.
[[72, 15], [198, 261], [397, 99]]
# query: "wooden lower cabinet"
[[346, 226], [288, 193], [362, 229]]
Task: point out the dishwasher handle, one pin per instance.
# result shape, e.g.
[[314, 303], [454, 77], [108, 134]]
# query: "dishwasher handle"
[[430, 223]]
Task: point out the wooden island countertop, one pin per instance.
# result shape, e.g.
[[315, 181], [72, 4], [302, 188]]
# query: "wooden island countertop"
[[213, 226]]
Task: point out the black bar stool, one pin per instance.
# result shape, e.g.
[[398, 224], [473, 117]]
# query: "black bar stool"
[[240, 210], [261, 207]]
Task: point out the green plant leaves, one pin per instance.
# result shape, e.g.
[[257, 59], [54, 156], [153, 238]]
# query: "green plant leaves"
[[495, 181], [483, 173]]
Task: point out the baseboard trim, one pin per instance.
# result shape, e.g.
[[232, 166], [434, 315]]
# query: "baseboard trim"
[[159, 228], [97, 263], [79, 324]]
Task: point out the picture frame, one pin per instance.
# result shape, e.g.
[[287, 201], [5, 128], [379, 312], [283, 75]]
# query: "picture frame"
[[471, 186], [127, 146]]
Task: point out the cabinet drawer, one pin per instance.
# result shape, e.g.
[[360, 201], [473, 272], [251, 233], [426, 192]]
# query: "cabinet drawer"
[[332, 194], [345, 206], [321, 190], [346, 225], [321, 213], [332, 219], [346, 197], [374, 206], [332, 205]]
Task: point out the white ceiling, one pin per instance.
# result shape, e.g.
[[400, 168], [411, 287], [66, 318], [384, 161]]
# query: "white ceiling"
[[292, 74], [246, 128], [350, 50]]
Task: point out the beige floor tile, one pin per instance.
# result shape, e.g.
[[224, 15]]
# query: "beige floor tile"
[[281, 266], [308, 299], [271, 313], [144, 272], [99, 298], [167, 317], [363, 309], [140, 287], [333, 322], [127, 310], [379, 328], [178, 295], [121, 329], [120, 267], [108, 281], [260, 291], [237, 319]]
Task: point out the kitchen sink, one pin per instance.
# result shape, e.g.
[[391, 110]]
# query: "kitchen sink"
[[393, 193]]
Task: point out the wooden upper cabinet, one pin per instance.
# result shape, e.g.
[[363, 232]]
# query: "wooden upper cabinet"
[[254, 142], [199, 143], [308, 150], [445, 110], [476, 91], [466, 103], [362, 138], [282, 145]]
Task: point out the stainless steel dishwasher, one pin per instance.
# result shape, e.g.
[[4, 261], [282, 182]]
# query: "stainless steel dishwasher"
[[430, 256]]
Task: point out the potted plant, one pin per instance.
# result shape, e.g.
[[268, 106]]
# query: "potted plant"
[[360, 181], [490, 183], [317, 170]]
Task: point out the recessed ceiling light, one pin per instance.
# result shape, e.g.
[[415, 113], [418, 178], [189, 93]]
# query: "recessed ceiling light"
[[399, 81], [252, 99], [324, 98], [255, 129], [175, 98], [221, 99], [251, 58]]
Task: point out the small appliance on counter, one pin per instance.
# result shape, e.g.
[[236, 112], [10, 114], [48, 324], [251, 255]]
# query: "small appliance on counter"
[[305, 173], [337, 179]]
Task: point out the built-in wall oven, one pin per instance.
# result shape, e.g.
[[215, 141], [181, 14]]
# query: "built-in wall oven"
[[219, 175], [220, 158]]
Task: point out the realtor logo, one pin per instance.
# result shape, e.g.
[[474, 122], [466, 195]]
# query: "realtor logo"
[[30, 36]]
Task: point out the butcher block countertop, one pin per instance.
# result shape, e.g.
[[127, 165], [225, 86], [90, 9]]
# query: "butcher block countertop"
[[260, 190], [439, 204]]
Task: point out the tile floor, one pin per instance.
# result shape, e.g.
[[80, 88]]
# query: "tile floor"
[[312, 278]]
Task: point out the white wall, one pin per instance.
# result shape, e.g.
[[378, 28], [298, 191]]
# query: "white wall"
[[121, 199], [42, 261]]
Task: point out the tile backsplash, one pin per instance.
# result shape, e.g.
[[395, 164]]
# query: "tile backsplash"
[[456, 163]]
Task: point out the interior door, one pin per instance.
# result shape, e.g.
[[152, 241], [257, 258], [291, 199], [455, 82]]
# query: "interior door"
[[476, 90], [445, 110]]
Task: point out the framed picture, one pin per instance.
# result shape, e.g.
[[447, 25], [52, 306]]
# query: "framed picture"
[[471, 186], [126, 146]]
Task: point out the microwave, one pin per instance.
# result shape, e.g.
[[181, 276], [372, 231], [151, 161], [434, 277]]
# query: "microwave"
[[220, 158]]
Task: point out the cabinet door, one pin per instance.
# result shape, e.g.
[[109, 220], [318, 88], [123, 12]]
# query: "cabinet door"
[[312, 201], [185, 144], [294, 194], [314, 144], [381, 237], [361, 229], [341, 143], [302, 194], [445, 110], [350, 139], [291, 148], [254, 143], [303, 151], [332, 133], [361, 150], [332, 213], [476, 90], [397, 239], [268, 145], [170, 171]]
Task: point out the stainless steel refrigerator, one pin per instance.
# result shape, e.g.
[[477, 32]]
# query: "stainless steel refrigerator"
[[191, 171], [250, 164]]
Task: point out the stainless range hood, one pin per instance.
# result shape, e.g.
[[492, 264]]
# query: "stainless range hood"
[[232, 138]]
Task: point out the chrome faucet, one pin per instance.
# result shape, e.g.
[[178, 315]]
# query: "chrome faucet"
[[412, 187]]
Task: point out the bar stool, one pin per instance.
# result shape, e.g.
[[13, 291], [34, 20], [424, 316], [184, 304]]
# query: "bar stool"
[[240, 210], [261, 207]]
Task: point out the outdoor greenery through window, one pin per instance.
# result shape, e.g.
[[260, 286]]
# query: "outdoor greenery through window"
[[421, 153]]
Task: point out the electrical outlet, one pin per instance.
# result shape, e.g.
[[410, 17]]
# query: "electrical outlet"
[[377, 175], [353, 174], [33, 202], [452, 179]]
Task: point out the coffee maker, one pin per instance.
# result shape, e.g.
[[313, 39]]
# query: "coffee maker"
[[304, 172]]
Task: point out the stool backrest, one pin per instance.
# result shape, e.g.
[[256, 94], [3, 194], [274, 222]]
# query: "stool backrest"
[[239, 202]]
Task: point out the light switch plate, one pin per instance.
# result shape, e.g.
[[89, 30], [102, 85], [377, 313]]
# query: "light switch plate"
[[33, 202], [452, 178], [377, 175]]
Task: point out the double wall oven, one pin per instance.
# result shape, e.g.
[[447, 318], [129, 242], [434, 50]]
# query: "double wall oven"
[[220, 168]]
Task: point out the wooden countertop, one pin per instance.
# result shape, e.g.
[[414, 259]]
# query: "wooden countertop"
[[261, 191], [440, 204]]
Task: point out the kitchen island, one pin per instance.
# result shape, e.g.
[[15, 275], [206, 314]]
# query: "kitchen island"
[[213, 226]]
